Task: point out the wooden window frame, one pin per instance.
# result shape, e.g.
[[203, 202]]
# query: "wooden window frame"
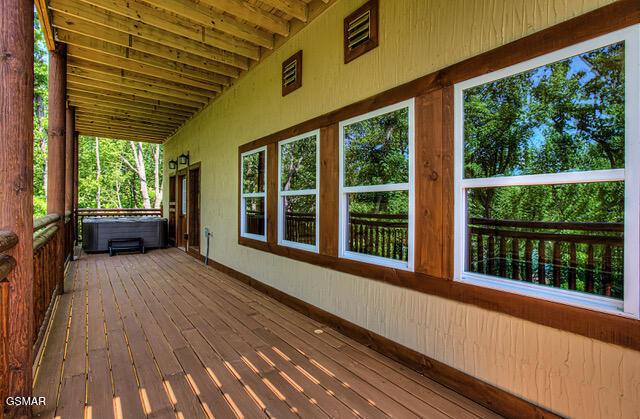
[[301, 192], [263, 195], [408, 186], [630, 175], [434, 189], [297, 58], [351, 54]]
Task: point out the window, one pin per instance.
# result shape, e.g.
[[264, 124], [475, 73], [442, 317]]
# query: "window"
[[546, 172], [298, 162], [253, 205], [376, 186]]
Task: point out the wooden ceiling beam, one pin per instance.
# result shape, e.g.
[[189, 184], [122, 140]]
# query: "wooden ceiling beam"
[[114, 21], [120, 23], [87, 113], [146, 60], [250, 13], [127, 104], [73, 87], [141, 12], [90, 106], [169, 87], [75, 25], [45, 23], [117, 126], [131, 65], [90, 83], [210, 18], [124, 129], [124, 83], [294, 8], [89, 132], [146, 128]]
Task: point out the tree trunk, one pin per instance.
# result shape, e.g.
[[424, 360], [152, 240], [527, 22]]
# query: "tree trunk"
[[156, 174], [136, 148], [98, 205]]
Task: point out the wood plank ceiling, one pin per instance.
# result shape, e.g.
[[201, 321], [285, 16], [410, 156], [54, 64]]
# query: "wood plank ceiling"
[[138, 69]]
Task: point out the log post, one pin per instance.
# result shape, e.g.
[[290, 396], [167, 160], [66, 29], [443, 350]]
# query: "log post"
[[69, 173], [76, 173], [56, 145], [16, 187]]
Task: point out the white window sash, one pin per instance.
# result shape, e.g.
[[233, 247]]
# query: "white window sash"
[[245, 195], [391, 187], [299, 192], [343, 252], [630, 306]]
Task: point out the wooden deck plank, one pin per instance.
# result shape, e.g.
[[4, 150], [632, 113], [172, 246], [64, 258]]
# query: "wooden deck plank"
[[49, 374], [72, 396], [394, 401], [170, 337]]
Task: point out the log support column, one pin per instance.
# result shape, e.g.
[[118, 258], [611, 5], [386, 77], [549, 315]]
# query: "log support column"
[[69, 159], [16, 188], [56, 145]]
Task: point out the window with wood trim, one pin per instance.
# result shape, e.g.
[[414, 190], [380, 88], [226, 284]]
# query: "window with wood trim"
[[253, 199], [376, 186], [298, 180], [547, 162], [292, 73], [361, 31]]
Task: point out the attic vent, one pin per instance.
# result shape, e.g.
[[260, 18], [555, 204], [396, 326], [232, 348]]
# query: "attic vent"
[[292, 73], [361, 31]]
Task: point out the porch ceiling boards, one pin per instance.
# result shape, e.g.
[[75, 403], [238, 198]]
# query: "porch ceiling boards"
[[138, 69]]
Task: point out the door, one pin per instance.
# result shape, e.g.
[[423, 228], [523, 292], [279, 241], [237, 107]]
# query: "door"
[[193, 209], [182, 203], [172, 211]]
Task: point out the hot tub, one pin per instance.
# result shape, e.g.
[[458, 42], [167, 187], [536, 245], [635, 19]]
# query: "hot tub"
[[97, 231]]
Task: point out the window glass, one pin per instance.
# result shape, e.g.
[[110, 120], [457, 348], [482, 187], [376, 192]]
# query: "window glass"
[[298, 164], [378, 224], [567, 236], [253, 172], [561, 117], [254, 216], [300, 219], [376, 150]]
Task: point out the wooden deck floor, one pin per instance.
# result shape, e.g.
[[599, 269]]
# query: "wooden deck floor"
[[160, 335]]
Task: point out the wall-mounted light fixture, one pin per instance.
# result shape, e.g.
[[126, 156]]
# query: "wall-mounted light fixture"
[[173, 164], [183, 159]]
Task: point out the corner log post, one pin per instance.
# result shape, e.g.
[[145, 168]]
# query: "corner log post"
[[56, 145], [16, 189], [68, 184]]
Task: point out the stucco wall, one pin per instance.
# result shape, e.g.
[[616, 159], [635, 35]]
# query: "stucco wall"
[[567, 373]]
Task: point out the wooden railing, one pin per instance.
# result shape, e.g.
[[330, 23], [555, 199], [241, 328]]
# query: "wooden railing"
[[372, 234], [7, 241], [112, 212], [576, 256], [48, 241], [300, 228], [254, 222], [384, 235]]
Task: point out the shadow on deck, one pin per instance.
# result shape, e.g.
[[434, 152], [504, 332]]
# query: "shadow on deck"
[[162, 335]]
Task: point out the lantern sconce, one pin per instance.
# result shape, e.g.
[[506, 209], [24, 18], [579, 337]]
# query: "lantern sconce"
[[183, 159], [173, 165]]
